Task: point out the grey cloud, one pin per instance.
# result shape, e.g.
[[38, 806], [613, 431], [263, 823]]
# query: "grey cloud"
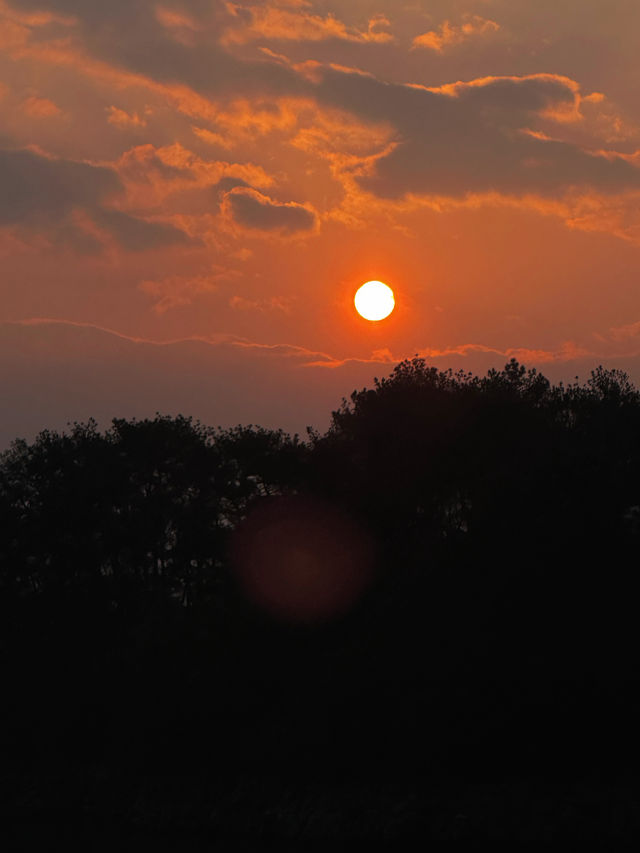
[[138, 235], [473, 141], [42, 192], [254, 210], [470, 143], [219, 191], [36, 188], [127, 33], [421, 108], [228, 183]]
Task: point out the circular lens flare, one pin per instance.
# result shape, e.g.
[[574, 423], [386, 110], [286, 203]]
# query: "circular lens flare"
[[302, 560], [375, 301]]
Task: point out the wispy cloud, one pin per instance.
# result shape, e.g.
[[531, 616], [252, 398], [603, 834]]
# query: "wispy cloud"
[[449, 35], [263, 306], [293, 20], [36, 107], [123, 119]]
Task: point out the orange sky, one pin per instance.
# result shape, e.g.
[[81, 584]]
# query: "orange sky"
[[192, 191]]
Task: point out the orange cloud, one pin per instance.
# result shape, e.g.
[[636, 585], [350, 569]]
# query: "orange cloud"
[[625, 333], [291, 20], [150, 175], [476, 144], [121, 118], [34, 19], [15, 40], [12, 35], [180, 25], [36, 107], [212, 138], [448, 35], [568, 351], [241, 119], [548, 88]]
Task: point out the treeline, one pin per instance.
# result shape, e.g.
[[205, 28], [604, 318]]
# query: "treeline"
[[446, 578]]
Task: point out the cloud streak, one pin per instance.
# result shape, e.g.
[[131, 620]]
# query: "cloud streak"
[[450, 35], [292, 20]]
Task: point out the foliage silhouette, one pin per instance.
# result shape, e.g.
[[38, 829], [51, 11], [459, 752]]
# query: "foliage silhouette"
[[500, 631]]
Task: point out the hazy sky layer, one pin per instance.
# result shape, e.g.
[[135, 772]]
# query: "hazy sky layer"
[[191, 192]]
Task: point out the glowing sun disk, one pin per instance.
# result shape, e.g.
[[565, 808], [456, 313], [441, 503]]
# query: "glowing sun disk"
[[375, 301]]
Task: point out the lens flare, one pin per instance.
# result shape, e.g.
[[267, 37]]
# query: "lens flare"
[[301, 560]]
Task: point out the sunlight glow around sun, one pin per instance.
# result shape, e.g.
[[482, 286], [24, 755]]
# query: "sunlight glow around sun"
[[375, 301]]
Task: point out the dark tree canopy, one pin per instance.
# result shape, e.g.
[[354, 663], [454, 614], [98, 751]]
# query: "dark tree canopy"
[[503, 515]]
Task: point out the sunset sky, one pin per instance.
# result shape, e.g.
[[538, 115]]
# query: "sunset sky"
[[191, 192]]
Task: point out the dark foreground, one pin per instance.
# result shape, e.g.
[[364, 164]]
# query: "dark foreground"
[[186, 813], [423, 623]]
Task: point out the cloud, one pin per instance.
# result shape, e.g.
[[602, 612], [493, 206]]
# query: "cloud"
[[174, 49], [242, 119], [137, 234], [449, 35], [124, 120], [36, 107], [145, 163], [181, 25], [626, 332], [568, 351], [471, 140], [490, 138], [172, 180], [72, 201], [251, 209], [228, 183], [56, 372], [35, 186], [291, 20], [40, 16], [264, 306]]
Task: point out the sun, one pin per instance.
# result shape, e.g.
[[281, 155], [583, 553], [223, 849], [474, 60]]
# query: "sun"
[[375, 301]]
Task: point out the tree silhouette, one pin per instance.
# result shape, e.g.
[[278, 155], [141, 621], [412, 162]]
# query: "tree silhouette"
[[503, 514]]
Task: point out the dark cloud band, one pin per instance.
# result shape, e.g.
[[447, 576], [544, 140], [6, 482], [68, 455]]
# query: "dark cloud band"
[[251, 209], [38, 191]]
